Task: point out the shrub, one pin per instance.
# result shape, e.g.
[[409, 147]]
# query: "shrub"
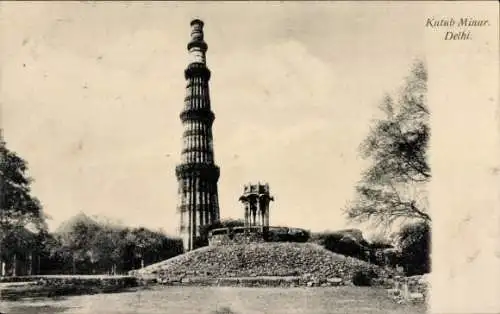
[[415, 248], [364, 277], [339, 243], [284, 234]]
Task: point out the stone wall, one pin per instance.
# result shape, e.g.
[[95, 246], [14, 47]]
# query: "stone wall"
[[263, 281], [251, 236], [242, 235]]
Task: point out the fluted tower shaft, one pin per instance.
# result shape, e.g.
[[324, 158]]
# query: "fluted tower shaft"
[[197, 174]]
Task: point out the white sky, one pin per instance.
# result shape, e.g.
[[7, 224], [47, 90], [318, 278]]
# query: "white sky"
[[91, 96]]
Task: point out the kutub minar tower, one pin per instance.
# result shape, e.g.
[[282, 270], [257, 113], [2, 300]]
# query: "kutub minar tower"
[[197, 173]]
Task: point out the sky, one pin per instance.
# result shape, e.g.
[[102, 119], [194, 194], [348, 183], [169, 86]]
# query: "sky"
[[91, 95]]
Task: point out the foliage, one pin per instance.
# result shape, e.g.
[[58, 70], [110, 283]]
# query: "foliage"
[[21, 216], [393, 188], [76, 244], [415, 239], [151, 246], [285, 234], [351, 243], [343, 243], [18, 208], [86, 245], [364, 277], [391, 257]]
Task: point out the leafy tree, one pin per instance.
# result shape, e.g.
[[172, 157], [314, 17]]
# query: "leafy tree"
[[415, 241], [94, 245], [145, 242], [76, 237], [106, 248], [393, 188], [48, 259], [18, 208], [18, 244], [149, 247]]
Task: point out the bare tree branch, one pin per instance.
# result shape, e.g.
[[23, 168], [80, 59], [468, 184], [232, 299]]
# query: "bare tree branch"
[[397, 147]]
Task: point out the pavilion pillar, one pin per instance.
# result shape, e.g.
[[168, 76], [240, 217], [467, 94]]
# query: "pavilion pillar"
[[267, 216], [258, 211], [254, 213], [247, 214]]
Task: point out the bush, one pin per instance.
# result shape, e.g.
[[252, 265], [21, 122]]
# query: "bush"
[[338, 243], [415, 248], [284, 234], [364, 277]]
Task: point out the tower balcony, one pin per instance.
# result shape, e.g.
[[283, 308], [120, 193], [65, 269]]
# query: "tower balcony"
[[199, 150], [197, 69], [198, 44], [208, 171], [202, 115], [202, 132]]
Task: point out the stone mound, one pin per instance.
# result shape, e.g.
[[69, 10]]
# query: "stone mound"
[[260, 260]]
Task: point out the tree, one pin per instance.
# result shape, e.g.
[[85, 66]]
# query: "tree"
[[76, 237], [18, 208], [415, 241], [48, 259], [106, 248], [144, 241], [97, 245], [150, 246], [393, 188]]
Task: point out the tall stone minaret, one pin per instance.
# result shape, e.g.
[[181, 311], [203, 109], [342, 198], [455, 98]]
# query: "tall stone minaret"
[[197, 174]]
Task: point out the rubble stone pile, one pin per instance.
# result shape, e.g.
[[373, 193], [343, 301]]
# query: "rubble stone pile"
[[302, 263]]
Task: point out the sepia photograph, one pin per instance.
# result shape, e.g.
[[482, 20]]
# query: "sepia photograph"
[[249, 157]]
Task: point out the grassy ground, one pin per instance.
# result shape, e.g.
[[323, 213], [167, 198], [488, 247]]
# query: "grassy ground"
[[211, 300], [14, 288]]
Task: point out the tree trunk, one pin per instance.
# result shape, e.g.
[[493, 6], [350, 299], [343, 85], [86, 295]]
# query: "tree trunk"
[[2, 266], [30, 264], [74, 265], [14, 265], [142, 262]]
